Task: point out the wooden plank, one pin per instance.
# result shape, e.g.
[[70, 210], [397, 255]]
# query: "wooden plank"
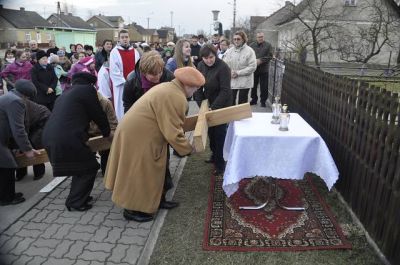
[[200, 131], [190, 123], [225, 115], [23, 161], [98, 143]]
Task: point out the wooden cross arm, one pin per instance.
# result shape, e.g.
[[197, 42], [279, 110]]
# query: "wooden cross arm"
[[205, 119], [98, 143]]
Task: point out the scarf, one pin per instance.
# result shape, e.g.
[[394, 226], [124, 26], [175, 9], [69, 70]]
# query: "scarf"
[[146, 84]]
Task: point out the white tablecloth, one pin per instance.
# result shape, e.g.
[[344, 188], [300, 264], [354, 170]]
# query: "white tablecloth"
[[255, 147]]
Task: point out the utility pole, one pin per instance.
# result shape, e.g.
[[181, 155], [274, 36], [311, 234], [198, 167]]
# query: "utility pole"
[[234, 14], [148, 23], [172, 14]]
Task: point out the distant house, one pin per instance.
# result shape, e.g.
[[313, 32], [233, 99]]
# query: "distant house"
[[107, 27], [21, 26], [134, 33], [69, 29], [284, 30], [148, 35], [166, 34]]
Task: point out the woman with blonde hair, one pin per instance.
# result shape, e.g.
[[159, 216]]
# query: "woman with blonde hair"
[[181, 56]]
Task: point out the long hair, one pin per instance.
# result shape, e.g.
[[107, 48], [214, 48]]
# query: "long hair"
[[178, 54]]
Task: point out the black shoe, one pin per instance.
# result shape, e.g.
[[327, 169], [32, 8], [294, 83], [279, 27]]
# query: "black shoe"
[[263, 105], [16, 200], [18, 195], [137, 216], [37, 177], [83, 208], [168, 205], [253, 102]]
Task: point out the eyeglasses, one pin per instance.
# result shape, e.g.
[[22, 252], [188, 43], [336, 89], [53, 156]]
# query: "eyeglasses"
[[237, 38]]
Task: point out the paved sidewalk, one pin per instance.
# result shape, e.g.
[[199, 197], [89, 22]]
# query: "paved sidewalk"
[[47, 234]]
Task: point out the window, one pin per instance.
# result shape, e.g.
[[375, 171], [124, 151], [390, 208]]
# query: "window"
[[28, 36], [116, 34], [48, 36], [350, 2]]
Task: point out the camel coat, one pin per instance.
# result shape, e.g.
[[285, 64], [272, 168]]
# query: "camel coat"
[[137, 162]]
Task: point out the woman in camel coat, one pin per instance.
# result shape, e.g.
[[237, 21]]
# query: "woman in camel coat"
[[136, 166]]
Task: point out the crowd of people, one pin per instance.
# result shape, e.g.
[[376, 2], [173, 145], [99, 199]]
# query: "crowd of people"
[[136, 96]]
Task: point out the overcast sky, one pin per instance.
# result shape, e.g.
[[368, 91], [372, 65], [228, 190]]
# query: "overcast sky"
[[189, 16]]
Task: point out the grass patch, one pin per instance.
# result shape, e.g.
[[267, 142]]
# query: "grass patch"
[[391, 86], [181, 237]]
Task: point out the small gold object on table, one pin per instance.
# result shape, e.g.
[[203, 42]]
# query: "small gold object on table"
[[276, 111], [284, 118]]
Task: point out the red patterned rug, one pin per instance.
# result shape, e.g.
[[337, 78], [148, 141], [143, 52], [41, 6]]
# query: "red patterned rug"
[[271, 228]]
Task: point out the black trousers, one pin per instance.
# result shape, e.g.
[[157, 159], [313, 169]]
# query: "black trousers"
[[262, 79], [217, 138], [38, 170], [243, 95], [103, 160], [81, 186], [7, 184]]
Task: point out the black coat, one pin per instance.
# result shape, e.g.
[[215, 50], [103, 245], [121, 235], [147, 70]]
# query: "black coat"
[[217, 88], [65, 134], [264, 53], [43, 78], [133, 86]]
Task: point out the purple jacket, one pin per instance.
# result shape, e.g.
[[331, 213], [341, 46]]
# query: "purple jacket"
[[18, 70]]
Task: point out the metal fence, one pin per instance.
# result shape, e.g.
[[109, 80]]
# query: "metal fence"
[[275, 77]]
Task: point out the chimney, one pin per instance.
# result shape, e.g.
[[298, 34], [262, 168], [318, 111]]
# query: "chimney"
[[61, 13], [69, 14], [22, 8], [287, 3]]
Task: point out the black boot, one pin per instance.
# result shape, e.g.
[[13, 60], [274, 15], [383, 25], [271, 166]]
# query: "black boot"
[[137, 216], [164, 204]]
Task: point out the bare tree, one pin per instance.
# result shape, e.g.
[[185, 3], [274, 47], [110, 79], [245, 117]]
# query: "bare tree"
[[68, 8], [243, 23], [360, 43], [319, 22], [299, 45]]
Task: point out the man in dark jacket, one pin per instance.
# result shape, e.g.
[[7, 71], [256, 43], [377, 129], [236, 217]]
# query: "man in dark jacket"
[[45, 80], [217, 90], [65, 137], [263, 52], [195, 50], [35, 119], [12, 115]]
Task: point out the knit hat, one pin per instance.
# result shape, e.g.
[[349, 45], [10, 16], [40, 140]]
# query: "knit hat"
[[83, 78], [88, 60], [189, 76], [40, 54], [26, 88], [61, 53]]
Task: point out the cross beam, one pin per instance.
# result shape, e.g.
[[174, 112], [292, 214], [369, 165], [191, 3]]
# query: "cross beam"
[[212, 118], [199, 123]]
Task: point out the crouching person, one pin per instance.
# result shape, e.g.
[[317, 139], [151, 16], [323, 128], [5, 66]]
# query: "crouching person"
[[94, 130], [65, 136], [12, 116], [136, 168]]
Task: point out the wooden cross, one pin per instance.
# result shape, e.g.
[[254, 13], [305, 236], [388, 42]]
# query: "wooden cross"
[[199, 123]]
